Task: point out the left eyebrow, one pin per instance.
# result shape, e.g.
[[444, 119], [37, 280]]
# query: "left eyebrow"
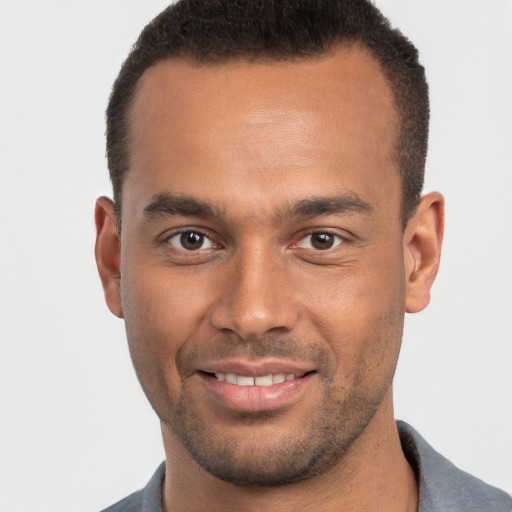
[[315, 207]]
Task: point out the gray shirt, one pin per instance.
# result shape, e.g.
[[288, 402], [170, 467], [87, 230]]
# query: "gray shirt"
[[443, 487]]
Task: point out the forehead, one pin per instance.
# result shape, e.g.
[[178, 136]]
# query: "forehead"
[[263, 122]]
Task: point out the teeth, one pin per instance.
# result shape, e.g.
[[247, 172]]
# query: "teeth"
[[277, 379], [244, 381], [230, 378], [263, 380]]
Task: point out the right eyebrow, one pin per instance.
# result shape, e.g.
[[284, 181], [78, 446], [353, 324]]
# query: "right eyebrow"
[[166, 205]]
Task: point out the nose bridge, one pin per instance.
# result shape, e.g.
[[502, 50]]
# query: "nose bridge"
[[255, 298]]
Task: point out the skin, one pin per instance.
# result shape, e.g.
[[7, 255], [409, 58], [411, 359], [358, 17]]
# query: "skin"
[[263, 145]]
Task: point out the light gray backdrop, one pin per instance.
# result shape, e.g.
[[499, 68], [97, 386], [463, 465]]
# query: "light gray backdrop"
[[75, 431]]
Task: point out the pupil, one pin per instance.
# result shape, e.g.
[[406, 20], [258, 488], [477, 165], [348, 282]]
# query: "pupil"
[[322, 240], [192, 241]]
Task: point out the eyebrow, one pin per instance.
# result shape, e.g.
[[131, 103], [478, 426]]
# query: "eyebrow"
[[165, 204], [336, 205]]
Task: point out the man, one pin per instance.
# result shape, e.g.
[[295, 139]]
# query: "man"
[[266, 237]]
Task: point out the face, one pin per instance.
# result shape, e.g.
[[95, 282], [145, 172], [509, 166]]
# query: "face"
[[262, 259]]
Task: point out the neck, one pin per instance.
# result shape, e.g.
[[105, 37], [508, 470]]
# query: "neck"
[[372, 476]]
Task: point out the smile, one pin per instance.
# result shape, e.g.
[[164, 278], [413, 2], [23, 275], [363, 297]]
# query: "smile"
[[260, 388]]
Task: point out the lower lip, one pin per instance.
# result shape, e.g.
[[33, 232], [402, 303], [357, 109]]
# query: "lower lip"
[[257, 398]]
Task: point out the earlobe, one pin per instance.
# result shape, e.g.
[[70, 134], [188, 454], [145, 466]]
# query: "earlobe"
[[108, 254], [423, 239]]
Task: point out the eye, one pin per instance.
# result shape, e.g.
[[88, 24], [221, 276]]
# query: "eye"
[[320, 241], [190, 241]]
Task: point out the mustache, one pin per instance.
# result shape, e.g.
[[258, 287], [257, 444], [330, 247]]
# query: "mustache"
[[231, 346]]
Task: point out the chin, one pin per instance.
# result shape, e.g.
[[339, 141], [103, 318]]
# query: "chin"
[[268, 450]]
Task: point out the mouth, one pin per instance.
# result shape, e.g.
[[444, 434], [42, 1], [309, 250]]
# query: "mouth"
[[255, 390]]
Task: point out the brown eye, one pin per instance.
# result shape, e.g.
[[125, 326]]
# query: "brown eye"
[[320, 241], [191, 241]]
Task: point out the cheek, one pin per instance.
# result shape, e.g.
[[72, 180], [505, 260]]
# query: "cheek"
[[384, 317], [161, 301], [359, 292], [161, 314], [359, 310]]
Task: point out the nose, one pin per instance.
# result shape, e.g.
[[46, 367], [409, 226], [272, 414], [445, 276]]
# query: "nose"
[[255, 297]]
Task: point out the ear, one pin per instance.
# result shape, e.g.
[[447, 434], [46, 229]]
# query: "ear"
[[423, 239], [108, 253]]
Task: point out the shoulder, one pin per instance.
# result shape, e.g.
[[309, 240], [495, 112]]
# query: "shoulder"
[[444, 487], [132, 503], [148, 499]]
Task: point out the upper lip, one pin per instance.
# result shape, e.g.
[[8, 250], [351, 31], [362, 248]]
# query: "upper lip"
[[257, 368]]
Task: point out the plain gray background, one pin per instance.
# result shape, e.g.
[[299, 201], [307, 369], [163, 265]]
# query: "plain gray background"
[[76, 433]]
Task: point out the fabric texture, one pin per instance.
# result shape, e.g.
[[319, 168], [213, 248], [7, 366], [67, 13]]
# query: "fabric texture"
[[443, 487]]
